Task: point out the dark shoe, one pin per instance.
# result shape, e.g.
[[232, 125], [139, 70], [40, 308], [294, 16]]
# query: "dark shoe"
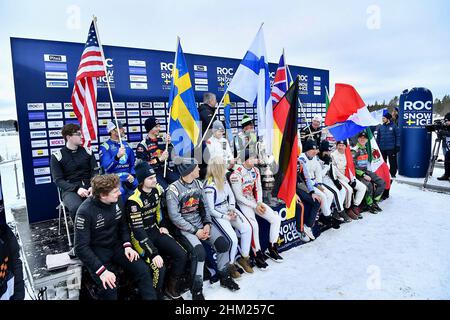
[[377, 207], [444, 177], [197, 289], [373, 210], [234, 271], [335, 224], [172, 290], [227, 282], [337, 216], [245, 264], [272, 253], [345, 216], [352, 214], [260, 261]]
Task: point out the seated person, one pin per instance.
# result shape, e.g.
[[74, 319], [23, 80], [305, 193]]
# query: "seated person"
[[150, 234], [222, 204], [355, 190], [102, 239], [189, 213], [73, 167], [246, 184], [374, 184], [118, 159]]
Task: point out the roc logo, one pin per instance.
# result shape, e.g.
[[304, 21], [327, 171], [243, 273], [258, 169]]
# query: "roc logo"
[[417, 113], [166, 74], [224, 76]]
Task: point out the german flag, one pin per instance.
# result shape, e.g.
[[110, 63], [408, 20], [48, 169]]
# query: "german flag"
[[285, 121]]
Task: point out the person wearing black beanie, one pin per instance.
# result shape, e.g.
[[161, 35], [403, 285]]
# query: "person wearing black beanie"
[[150, 229], [152, 149]]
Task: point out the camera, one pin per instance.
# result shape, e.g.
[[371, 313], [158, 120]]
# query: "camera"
[[439, 126]]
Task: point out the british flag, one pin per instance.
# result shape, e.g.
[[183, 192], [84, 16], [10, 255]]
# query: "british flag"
[[282, 81], [84, 95]]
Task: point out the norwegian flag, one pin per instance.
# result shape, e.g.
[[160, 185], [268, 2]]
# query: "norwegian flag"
[[84, 95], [282, 81]]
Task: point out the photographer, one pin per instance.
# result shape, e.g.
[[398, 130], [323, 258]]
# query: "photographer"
[[446, 133]]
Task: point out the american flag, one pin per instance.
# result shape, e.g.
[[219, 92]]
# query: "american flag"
[[84, 95], [281, 82]]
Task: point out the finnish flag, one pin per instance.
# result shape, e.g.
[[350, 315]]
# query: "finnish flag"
[[251, 82]]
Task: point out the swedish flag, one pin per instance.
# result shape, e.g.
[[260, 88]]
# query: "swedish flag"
[[184, 117]]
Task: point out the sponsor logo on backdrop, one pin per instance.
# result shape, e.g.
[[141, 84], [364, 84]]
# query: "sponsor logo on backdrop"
[[53, 106], [37, 125], [132, 105], [147, 113], [41, 171], [54, 115], [201, 88], [70, 115], [68, 106], [134, 78], [36, 115], [132, 121], [103, 105], [166, 74], [102, 81], [56, 142], [104, 114], [133, 113], [56, 75], [55, 58], [39, 144], [138, 86], [35, 106], [146, 105], [40, 153], [119, 105], [38, 134], [41, 162], [57, 84], [55, 124], [224, 76], [43, 180], [137, 63], [54, 133]]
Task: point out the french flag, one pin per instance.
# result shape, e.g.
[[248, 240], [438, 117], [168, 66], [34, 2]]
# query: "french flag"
[[347, 113]]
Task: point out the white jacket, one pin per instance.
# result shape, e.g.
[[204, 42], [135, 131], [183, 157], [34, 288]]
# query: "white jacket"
[[246, 185], [314, 168], [340, 162], [219, 148], [219, 202]]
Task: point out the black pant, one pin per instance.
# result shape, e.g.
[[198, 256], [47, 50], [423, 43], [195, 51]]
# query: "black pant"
[[392, 156], [311, 209], [137, 270], [168, 246], [72, 201], [447, 163]]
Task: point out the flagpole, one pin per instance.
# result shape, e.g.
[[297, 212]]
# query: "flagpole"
[[170, 107], [94, 19], [212, 119]]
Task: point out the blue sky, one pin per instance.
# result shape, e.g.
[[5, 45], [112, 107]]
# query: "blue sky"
[[380, 47]]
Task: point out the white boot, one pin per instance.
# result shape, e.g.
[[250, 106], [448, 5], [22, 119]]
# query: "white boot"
[[308, 232]]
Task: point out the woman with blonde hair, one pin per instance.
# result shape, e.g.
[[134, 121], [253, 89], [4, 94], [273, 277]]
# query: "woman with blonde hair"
[[222, 203]]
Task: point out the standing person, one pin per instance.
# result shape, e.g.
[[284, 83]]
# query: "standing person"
[[150, 234], [189, 213], [206, 111], [73, 167], [355, 190], [395, 116], [374, 184], [222, 204], [245, 139], [102, 239], [314, 129], [388, 139], [12, 286], [152, 149], [446, 150], [218, 146], [118, 159], [246, 184]]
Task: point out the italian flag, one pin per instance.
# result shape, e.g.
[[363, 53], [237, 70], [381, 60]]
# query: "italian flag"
[[376, 161]]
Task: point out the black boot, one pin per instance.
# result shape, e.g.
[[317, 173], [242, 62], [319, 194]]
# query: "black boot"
[[444, 177], [172, 289], [260, 261], [197, 289], [226, 281], [272, 253], [377, 207]]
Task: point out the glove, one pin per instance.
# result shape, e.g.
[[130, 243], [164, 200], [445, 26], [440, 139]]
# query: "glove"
[[353, 184]]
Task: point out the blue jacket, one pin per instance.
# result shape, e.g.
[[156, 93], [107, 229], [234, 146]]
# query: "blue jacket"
[[388, 136], [122, 167]]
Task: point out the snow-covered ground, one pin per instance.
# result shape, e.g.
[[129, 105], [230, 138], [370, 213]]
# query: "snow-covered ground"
[[401, 253]]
